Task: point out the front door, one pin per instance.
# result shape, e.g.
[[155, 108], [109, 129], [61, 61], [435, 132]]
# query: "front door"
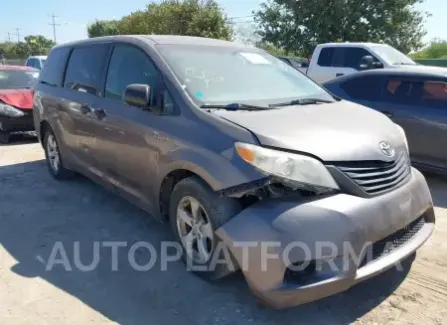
[[126, 135], [420, 107]]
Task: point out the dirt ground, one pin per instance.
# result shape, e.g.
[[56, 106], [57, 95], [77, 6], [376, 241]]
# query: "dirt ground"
[[37, 211]]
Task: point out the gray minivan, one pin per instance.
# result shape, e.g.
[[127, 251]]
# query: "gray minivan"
[[250, 161]]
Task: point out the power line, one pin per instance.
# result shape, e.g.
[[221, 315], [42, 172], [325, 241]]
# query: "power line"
[[18, 34], [242, 17], [53, 23]]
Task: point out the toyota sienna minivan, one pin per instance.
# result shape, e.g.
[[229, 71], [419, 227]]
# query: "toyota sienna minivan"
[[256, 167]]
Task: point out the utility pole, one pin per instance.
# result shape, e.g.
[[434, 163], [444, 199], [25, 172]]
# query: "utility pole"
[[53, 23], [18, 34], [9, 37]]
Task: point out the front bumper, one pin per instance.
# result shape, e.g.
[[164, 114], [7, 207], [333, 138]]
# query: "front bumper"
[[17, 124], [334, 232]]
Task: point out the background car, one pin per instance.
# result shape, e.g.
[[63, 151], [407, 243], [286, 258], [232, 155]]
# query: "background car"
[[16, 100], [36, 62], [413, 97]]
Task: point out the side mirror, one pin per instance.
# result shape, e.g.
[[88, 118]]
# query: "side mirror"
[[305, 65], [137, 95], [366, 62]]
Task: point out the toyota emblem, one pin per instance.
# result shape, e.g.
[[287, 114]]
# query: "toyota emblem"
[[386, 149]]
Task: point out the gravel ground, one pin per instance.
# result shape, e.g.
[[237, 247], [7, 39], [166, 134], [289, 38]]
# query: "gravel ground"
[[37, 211]]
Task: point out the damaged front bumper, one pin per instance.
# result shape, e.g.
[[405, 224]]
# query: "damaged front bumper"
[[334, 235]]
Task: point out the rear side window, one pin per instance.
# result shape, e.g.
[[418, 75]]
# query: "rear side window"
[[53, 71], [364, 87], [429, 93], [85, 69], [326, 57]]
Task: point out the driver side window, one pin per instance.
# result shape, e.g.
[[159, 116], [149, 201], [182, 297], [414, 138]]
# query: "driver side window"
[[350, 57], [129, 65]]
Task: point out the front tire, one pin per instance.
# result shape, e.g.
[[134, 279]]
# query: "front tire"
[[196, 212], [54, 158]]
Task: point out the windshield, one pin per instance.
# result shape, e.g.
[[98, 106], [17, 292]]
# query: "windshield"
[[17, 79], [392, 56], [220, 75]]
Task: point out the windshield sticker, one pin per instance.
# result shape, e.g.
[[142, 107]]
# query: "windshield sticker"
[[255, 58], [199, 95]]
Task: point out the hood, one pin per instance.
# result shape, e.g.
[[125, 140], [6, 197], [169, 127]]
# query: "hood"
[[341, 131], [20, 98]]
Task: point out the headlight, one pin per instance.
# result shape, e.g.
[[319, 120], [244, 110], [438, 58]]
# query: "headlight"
[[402, 131], [289, 166], [10, 111]]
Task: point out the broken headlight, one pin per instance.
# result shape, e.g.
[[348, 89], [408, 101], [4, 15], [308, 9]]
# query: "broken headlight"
[[291, 168]]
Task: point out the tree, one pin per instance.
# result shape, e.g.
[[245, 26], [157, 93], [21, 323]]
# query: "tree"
[[202, 18], [436, 50], [38, 44], [103, 28], [32, 45], [299, 25], [246, 34]]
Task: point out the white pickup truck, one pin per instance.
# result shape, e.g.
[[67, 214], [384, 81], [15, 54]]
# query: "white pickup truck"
[[332, 60]]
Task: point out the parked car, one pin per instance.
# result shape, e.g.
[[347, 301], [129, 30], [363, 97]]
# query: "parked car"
[[414, 98], [36, 62], [231, 146], [16, 100], [333, 60]]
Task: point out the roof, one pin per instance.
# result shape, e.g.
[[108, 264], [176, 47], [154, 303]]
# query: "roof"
[[160, 39], [409, 71], [417, 70], [352, 44], [17, 68]]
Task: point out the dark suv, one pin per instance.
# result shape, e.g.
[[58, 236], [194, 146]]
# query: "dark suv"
[[236, 150]]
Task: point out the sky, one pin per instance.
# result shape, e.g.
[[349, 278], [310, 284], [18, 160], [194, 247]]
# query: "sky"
[[33, 17]]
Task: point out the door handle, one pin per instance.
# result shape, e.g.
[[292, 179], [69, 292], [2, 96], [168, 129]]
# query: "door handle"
[[387, 113], [339, 74], [100, 113], [85, 109]]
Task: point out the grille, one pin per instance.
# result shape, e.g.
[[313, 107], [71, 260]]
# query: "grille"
[[393, 241], [376, 177]]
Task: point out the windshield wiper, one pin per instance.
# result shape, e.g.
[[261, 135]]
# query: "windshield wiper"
[[302, 101], [404, 63], [236, 107]]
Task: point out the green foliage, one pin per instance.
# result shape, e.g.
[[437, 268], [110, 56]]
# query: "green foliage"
[[202, 18], [436, 50], [272, 49], [32, 45], [299, 25], [103, 27]]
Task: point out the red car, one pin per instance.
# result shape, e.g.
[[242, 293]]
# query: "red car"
[[16, 100]]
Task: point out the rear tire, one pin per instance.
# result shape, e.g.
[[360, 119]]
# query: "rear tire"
[[54, 159], [212, 211], [4, 137]]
